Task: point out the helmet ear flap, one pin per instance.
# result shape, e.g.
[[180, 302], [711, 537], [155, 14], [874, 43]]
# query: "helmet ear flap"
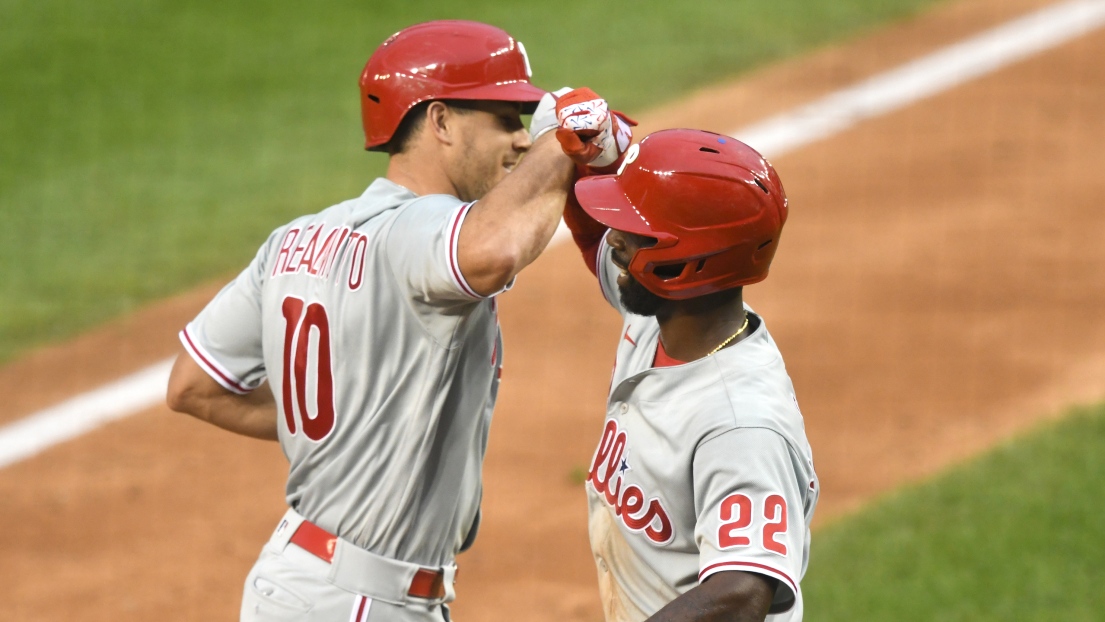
[[669, 272], [666, 276], [765, 251], [678, 278], [679, 270]]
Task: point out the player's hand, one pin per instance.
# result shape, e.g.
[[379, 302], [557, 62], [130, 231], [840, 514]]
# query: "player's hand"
[[589, 132], [544, 117]]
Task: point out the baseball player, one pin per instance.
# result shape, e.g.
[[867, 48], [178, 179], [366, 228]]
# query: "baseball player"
[[702, 487], [374, 322]]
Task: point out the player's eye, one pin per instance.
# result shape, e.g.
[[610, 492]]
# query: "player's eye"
[[511, 123]]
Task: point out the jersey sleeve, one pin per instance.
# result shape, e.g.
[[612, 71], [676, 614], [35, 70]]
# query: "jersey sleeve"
[[750, 508], [225, 338], [422, 250]]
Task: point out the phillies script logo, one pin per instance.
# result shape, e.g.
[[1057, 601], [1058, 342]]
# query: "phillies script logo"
[[629, 504]]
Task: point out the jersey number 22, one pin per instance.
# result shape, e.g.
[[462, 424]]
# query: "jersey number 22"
[[736, 517]]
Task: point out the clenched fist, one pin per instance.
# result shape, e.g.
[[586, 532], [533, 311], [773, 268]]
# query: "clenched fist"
[[589, 132]]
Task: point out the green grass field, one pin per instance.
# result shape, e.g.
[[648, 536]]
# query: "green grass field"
[[1013, 535], [149, 146]]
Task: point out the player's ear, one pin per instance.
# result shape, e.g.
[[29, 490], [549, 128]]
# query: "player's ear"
[[440, 122]]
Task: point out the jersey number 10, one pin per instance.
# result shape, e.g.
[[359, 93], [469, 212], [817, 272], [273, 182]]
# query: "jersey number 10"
[[297, 340]]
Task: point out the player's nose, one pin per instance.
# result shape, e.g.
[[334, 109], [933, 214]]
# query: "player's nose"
[[522, 141]]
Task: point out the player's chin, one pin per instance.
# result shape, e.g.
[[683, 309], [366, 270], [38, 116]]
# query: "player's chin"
[[479, 183], [636, 298], [494, 177]]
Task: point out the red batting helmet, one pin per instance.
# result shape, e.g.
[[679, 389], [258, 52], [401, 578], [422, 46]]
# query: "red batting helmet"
[[713, 203], [446, 59]]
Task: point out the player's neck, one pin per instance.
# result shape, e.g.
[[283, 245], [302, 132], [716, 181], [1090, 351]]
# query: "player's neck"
[[419, 173], [691, 329]]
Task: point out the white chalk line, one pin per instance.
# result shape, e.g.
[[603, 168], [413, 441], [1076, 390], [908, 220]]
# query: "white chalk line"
[[83, 413], [927, 76], [830, 115]]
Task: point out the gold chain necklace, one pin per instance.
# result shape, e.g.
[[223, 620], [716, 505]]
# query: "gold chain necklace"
[[731, 337]]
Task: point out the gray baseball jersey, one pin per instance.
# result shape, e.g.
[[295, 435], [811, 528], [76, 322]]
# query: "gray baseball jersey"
[[701, 468], [384, 364]]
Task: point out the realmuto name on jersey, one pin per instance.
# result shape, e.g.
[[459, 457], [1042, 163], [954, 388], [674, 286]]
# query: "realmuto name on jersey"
[[314, 249], [607, 478]]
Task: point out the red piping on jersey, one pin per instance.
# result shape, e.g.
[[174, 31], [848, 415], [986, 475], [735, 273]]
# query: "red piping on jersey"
[[707, 569], [457, 275], [361, 608], [210, 366]]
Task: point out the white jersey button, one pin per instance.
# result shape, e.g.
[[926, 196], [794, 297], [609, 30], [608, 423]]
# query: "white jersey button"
[[624, 408]]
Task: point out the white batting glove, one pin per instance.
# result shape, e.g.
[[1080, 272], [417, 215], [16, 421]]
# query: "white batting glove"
[[544, 117], [588, 131]]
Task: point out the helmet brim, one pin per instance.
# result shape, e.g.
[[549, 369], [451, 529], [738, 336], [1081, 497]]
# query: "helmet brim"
[[604, 200], [523, 92]]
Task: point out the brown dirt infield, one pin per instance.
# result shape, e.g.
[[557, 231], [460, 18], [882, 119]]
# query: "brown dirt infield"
[[939, 287]]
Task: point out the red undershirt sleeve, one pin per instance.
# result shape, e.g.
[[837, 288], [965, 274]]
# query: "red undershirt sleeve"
[[586, 231]]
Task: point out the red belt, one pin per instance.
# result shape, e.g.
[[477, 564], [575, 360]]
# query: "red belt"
[[317, 541]]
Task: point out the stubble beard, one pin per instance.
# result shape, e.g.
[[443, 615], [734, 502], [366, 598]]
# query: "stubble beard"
[[480, 176], [481, 187], [638, 300]]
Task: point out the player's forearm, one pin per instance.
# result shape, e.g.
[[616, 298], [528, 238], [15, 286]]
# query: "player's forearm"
[[724, 597], [239, 414], [510, 227], [191, 391]]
